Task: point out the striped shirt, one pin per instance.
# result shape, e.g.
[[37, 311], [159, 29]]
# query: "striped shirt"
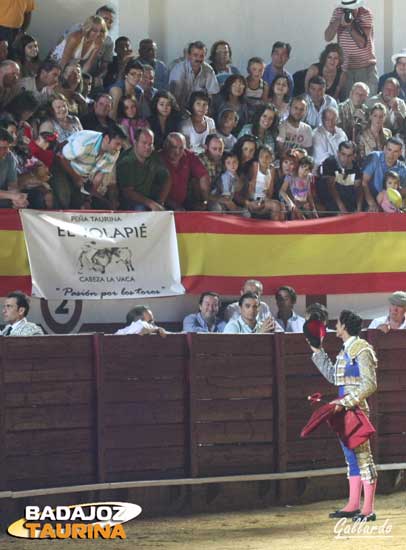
[[83, 150], [354, 56]]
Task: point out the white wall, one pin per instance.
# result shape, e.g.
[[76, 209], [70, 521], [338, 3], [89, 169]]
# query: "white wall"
[[250, 26]]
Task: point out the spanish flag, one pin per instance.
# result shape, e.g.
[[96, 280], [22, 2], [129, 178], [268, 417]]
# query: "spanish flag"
[[356, 253], [348, 254], [14, 266]]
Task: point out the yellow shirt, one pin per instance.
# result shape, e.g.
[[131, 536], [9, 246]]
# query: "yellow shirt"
[[12, 12]]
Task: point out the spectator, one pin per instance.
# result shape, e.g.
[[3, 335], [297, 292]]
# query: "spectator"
[[206, 320], [190, 180], [232, 96], [148, 91], [257, 90], [355, 34], [286, 298], [9, 76], [143, 179], [374, 170], [82, 46], [227, 122], [280, 56], [27, 55], [279, 95], [226, 186], [140, 320], [317, 101], [293, 132], [353, 112], [99, 118], [212, 157], [165, 117], [246, 150], [254, 287], [9, 196], [395, 107], [15, 311], [339, 185], [330, 68], [396, 318], [105, 55], [87, 88], [327, 138], [318, 312], [60, 121], [399, 72], [128, 86], [391, 180], [192, 75], [129, 118], [264, 125], [147, 50], [44, 83], [374, 137], [198, 126], [220, 60], [15, 18], [70, 87], [22, 108], [248, 322], [296, 191], [124, 53], [85, 159], [3, 50]]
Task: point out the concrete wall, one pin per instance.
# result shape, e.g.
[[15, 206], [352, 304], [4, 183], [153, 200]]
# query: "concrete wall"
[[250, 27]]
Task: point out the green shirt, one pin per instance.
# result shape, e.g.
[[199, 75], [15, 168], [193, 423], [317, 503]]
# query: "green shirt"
[[145, 178]]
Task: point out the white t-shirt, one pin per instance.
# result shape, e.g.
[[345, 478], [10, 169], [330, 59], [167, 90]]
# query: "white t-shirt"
[[195, 140], [375, 323], [295, 137]]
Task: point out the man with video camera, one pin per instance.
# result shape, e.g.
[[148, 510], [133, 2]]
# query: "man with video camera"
[[354, 26]]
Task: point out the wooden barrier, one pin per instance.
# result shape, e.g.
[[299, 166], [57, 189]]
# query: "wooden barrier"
[[99, 409]]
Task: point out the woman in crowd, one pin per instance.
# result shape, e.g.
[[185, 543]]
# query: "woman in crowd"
[[279, 95], [220, 60], [59, 120], [264, 125], [246, 150], [129, 118], [198, 126], [27, 55], [232, 96], [165, 117], [82, 46], [374, 137], [23, 108], [128, 86], [330, 68]]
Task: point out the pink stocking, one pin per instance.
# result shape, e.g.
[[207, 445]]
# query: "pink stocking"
[[369, 495], [355, 494]]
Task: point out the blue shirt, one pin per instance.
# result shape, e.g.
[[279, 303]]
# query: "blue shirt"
[[294, 323], [376, 167], [195, 323], [270, 74]]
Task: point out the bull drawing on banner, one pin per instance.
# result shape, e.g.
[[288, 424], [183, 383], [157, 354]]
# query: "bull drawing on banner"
[[96, 259]]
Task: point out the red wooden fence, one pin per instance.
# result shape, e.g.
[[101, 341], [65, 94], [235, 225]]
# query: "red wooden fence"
[[94, 408]]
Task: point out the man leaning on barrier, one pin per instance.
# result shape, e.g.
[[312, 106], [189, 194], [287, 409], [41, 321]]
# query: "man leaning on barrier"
[[248, 321], [396, 318], [140, 320]]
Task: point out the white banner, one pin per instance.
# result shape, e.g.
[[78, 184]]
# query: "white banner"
[[99, 256]]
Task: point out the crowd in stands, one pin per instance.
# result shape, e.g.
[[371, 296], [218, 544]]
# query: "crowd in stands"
[[97, 124]]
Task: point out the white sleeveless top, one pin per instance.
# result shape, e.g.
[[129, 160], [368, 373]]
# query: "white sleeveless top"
[[262, 184], [57, 54]]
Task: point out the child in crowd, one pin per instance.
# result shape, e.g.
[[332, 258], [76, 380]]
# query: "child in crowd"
[[261, 187], [226, 124], [128, 118], [198, 126], [227, 185], [391, 180], [296, 191], [257, 89]]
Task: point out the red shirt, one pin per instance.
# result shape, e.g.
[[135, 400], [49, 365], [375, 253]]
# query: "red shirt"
[[44, 155], [188, 167]]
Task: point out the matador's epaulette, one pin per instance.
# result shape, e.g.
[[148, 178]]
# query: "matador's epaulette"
[[362, 345]]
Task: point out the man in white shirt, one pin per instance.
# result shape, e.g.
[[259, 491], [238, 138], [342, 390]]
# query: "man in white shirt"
[[396, 318], [247, 322], [287, 317], [15, 311], [140, 320], [317, 101]]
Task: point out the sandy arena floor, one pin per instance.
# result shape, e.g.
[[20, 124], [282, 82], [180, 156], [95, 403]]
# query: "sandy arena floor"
[[302, 527]]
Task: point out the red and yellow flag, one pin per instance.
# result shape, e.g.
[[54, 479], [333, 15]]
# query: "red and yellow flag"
[[342, 255]]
